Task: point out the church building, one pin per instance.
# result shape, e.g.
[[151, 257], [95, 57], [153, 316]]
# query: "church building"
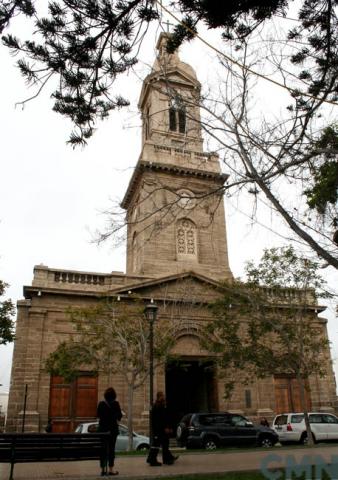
[[176, 253]]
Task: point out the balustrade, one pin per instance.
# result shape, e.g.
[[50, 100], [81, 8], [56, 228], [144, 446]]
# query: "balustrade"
[[80, 278]]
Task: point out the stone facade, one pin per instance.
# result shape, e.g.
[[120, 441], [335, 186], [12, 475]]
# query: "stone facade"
[[176, 255]]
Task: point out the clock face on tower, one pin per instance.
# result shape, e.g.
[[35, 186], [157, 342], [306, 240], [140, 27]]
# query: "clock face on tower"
[[186, 199]]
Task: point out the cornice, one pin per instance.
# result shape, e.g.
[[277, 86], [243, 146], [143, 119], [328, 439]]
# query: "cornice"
[[169, 278], [143, 166], [124, 294], [30, 292]]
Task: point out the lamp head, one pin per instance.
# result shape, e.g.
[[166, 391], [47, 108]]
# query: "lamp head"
[[150, 312]]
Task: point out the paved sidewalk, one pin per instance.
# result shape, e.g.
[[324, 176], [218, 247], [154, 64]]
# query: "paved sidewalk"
[[135, 467]]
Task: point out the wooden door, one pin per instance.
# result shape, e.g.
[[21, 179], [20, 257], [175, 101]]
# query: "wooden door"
[[85, 399], [287, 395], [72, 403], [282, 396]]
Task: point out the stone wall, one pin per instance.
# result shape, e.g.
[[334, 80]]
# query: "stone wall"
[[43, 322]]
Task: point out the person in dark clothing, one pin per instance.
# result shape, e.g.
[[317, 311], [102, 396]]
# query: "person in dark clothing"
[[161, 433], [109, 414], [264, 422], [49, 426]]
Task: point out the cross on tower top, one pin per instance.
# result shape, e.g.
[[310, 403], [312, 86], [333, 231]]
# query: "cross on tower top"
[[168, 24]]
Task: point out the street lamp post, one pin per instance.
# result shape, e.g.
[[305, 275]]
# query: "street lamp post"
[[150, 312], [24, 409]]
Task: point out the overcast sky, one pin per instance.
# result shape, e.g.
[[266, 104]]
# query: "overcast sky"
[[51, 196]]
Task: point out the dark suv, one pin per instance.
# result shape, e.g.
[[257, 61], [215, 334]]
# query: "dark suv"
[[212, 430]]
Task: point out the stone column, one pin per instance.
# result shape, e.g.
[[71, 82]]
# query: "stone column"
[[26, 370]]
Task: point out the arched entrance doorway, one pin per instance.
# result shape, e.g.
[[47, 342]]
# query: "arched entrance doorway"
[[191, 386]]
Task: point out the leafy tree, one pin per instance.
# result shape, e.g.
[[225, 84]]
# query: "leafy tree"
[[325, 188], [266, 326], [6, 317], [88, 44], [112, 338]]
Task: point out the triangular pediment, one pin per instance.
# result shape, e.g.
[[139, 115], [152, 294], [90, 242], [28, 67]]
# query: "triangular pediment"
[[172, 75], [177, 75], [185, 287]]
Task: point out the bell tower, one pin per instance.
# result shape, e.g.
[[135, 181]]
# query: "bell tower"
[[174, 201], [169, 102]]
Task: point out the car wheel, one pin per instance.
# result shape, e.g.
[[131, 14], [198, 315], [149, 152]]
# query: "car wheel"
[[265, 442], [142, 447], [210, 444], [304, 439]]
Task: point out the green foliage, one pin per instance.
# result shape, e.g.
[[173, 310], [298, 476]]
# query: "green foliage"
[[87, 44], [68, 359], [324, 191], [325, 188], [232, 16], [11, 8], [318, 30], [284, 268], [280, 474], [114, 338], [329, 139], [182, 32], [6, 317], [264, 326]]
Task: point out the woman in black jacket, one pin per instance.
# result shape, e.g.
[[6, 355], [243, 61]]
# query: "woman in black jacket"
[[109, 414], [161, 427]]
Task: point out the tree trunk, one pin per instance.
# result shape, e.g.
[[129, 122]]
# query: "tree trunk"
[[300, 380]]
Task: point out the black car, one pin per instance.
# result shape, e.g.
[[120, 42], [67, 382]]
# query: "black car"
[[212, 430]]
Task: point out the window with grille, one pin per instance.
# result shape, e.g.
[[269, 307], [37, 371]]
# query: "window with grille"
[[186, 239]]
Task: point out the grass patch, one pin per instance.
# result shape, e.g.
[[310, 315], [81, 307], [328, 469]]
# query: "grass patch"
[[232, 449], [279, 475], [219, 476]]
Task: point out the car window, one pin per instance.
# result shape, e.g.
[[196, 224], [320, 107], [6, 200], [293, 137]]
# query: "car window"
[[207, 419], [297, 418], [238, 420], [222, 419], [214, 419], [281, 420], [186, 419], [79, 429], [316, 418], [123, 431], [329, 418], [93, 428]]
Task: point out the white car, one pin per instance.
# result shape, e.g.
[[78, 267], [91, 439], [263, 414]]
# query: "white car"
[[291, 427], [140, 442]]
